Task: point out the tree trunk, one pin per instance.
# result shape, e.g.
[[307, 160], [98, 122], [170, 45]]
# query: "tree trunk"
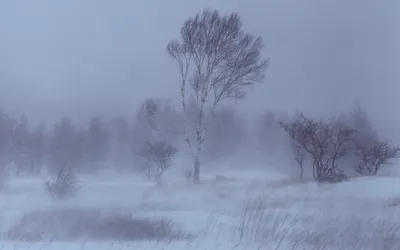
[[301, 173], [196, 169], [199, 141], [376, 169]]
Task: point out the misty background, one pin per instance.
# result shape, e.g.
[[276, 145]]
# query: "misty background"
[[86, 58], [90, 111]]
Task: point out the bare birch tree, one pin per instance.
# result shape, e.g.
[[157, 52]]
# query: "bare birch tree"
[[217, 60]]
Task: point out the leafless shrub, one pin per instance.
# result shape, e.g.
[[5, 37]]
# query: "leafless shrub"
[[158, 156], [74, 224], [374, 155], [371, 152], [325, 142], [65, 185]]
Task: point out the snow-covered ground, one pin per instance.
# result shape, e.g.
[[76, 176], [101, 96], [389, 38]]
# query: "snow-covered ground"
[[229, 210]]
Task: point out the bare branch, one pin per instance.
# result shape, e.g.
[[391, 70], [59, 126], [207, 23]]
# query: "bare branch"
[[152, 110], [159, 153], [299, 156], [219, 60], [374, 155], [183, 58], [324, 142]]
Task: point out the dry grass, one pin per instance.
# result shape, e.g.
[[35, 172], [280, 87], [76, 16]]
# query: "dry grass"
[[268, 228], [262, 225], [76, 224]]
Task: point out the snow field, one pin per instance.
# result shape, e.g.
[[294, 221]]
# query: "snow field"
[[231, 210]]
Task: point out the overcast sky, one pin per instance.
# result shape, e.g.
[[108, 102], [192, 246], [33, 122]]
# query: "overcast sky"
[[82, 57]]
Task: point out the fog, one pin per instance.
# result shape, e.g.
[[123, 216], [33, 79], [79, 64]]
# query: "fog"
[[95, 154], [81, 59], [96, 57]]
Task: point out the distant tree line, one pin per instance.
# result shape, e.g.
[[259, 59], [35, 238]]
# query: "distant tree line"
[[118, 144]]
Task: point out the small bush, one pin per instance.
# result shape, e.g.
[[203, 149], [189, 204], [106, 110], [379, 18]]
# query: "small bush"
[[374, 155], [158, 155], [64, 186], [324, 142]]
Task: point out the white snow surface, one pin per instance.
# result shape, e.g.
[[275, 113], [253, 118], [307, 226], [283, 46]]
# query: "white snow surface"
[[363, 213]]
